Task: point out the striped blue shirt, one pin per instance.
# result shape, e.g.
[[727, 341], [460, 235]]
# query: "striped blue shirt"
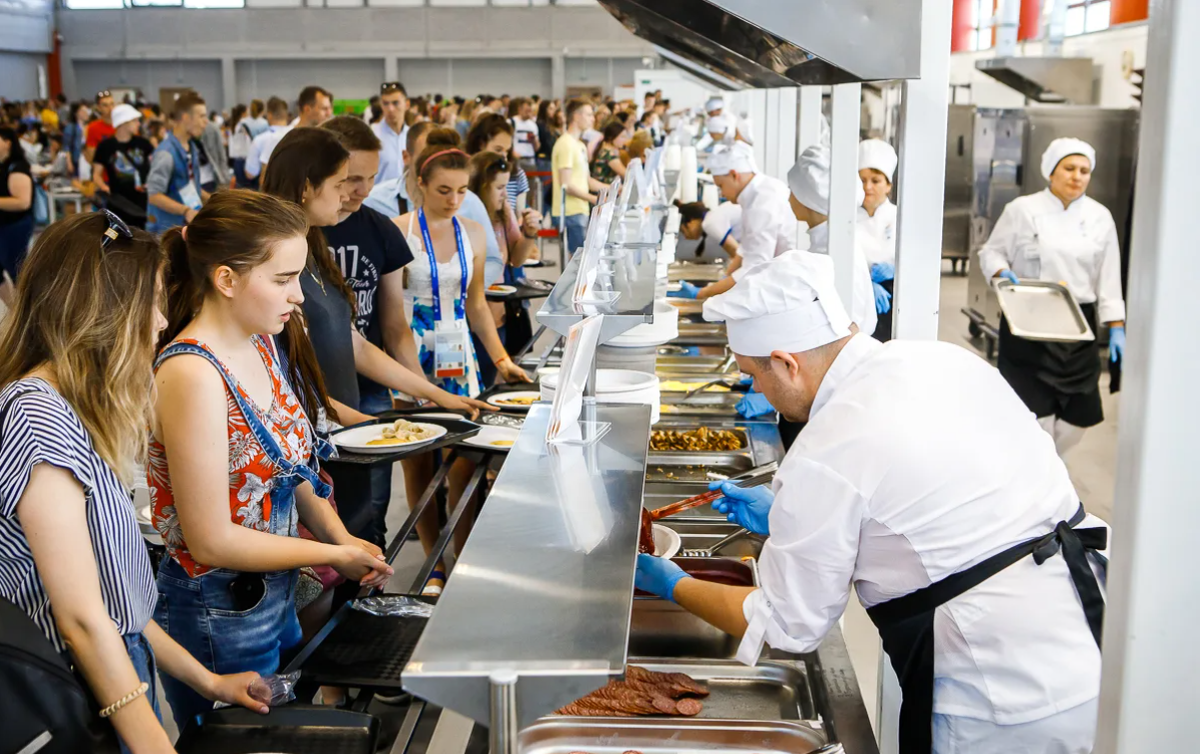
[[518, 183], [38, 426]]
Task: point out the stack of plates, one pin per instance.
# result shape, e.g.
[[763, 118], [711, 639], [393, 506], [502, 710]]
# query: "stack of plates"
[[663, 329], [616, 386]]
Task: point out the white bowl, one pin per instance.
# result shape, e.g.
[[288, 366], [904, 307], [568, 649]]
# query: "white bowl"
[[666, 541], [663, 329], [615, 386]]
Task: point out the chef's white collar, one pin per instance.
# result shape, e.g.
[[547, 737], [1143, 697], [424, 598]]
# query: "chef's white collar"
[[860, 348], [751, 189], [1053, 198]]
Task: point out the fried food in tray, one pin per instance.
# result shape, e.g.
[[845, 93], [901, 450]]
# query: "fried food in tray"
[[702, 439], [643, 692]]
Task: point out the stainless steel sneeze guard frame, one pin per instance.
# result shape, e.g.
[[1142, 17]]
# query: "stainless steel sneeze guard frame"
[[543, 588], [633, 276]]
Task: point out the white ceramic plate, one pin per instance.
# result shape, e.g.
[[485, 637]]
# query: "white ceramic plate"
[[446, 415], [666, 541], [355, 440], [494, 438], [502, 399], [501, 290]]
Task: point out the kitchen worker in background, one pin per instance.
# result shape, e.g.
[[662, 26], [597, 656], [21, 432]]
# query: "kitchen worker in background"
[[717, 230], [768, 228], [1060, 234], [718, 130], [877, 216], [894, 487]]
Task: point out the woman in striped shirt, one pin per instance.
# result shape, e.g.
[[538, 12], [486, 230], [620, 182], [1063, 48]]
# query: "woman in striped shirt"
[[74, 407]]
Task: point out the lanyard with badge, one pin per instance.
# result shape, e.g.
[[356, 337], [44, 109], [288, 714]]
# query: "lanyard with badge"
[[188, 195], [449, 338]]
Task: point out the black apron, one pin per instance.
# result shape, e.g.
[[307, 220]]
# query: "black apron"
[[883, 322], [1060, 379], [906, 623]]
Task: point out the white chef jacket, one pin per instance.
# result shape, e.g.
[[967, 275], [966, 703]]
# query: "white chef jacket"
[[723, 222], [768, 225], [862, 308], [1036, 238], [882, 228], [919, 461]]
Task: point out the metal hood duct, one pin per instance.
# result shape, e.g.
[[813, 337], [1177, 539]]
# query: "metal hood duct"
[[1050, 80], [705, 75], [784, 43]]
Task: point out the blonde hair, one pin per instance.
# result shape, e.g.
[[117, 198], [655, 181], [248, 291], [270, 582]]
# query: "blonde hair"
[[86, 313], [638, 144]]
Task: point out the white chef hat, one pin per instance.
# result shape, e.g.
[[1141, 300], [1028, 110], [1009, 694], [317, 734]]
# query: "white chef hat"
[[787, 304], [735, 157], [1063, 148], [745, 130], [123, 114], [809, 180], [877, 154], [713, 104], [719, 124]]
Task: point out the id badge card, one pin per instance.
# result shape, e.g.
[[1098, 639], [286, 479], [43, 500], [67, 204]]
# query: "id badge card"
[[450, 349], [189, 196]]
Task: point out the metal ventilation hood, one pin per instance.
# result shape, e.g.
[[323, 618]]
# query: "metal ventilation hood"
[[705, 75], [784, 43], [1044, 79]]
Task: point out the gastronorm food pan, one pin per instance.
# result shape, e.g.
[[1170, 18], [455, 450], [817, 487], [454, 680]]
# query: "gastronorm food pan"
[[697, 468], [1039, 310], [566, 735], [659, 436], [770, 690]]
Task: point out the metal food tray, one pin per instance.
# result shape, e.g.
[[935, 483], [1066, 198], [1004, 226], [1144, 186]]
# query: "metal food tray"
[[296, 729], [669, 467], [1040, 310], [565, 735], [770, 690], [739, 431], [456, 431]]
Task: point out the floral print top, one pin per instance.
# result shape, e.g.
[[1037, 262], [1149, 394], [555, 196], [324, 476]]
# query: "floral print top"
[[251, 472], [601, 170]]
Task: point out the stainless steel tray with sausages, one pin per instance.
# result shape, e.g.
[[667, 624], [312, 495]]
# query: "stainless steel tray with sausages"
[[592, 736]]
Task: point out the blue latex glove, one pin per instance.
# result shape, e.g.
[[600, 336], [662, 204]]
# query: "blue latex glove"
[[1010, 276], [882, 271], [691, 351], [883, 299], [686, 290], [657, 576], [747, 382], [754, 404], [748, 507], [1116, 343]]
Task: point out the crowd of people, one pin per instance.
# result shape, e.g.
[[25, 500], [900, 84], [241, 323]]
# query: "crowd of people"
[[241, 284]]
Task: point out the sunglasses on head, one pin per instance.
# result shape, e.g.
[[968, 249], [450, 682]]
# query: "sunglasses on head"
[[391, 86], [116, 228], [499, 166], [102, 95]]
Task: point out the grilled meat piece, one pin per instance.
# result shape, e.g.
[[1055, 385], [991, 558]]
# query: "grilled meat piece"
[[646, 536]]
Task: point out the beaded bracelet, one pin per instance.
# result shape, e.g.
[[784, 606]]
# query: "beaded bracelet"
[[116, 706]]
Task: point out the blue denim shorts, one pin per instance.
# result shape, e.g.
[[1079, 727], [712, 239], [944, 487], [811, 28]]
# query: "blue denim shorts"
[[200, 614], [142, 656]]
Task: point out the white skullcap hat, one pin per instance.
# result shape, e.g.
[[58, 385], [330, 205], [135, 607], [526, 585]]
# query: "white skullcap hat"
[[788, 304], [1062, 148], [737, 157], [809, 180], [878, 155], [719, 124], [123, 114], [714, 103]]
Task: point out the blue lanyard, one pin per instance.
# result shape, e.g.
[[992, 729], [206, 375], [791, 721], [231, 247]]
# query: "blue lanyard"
[[433, 263]]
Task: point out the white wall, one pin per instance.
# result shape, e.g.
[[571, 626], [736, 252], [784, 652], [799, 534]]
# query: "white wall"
[[19, 75], [204, 76], [25, 29], [356, 78], [1107, 49]]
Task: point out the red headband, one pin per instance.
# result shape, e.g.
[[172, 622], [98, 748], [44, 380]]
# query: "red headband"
[[436, 155]]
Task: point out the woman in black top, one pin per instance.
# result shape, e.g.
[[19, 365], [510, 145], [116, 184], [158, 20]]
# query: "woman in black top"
[[16, 209]]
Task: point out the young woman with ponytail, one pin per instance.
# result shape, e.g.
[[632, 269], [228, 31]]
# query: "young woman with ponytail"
[[233, 455], [75, 400]]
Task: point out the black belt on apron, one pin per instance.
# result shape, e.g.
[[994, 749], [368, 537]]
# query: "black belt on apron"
[[906, 623]]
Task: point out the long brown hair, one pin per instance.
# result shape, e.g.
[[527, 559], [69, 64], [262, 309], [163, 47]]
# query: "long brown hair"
[[87, 313], [238, 229], [485, 166], [306, 158]]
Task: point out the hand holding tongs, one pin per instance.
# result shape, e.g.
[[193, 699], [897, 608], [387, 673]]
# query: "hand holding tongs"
[[755, 478]]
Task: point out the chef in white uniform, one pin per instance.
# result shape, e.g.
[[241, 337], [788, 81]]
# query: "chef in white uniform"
[[877, 162], [717, 229], [922, 481], [768, 227], [1060, 234], [808, 181]]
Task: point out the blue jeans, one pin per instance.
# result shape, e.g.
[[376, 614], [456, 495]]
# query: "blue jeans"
[[201, 615], [576, 233], [142, 656], [363, 494]]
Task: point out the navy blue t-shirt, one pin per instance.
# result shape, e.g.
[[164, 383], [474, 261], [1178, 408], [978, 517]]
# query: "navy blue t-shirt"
[[367, 246]]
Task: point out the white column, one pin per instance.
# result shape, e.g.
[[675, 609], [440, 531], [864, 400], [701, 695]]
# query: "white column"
[[558, 76], [391, 69], [229, 95], [808, 129], [770, 162], [921, 181], [847, 99], [786, 124], [1150, 683]]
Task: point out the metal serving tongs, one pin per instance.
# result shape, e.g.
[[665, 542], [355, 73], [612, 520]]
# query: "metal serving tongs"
[[753, 478], [697, 390]]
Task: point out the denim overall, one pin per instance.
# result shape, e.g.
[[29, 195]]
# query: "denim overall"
[[200, 612], [158, 220]]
